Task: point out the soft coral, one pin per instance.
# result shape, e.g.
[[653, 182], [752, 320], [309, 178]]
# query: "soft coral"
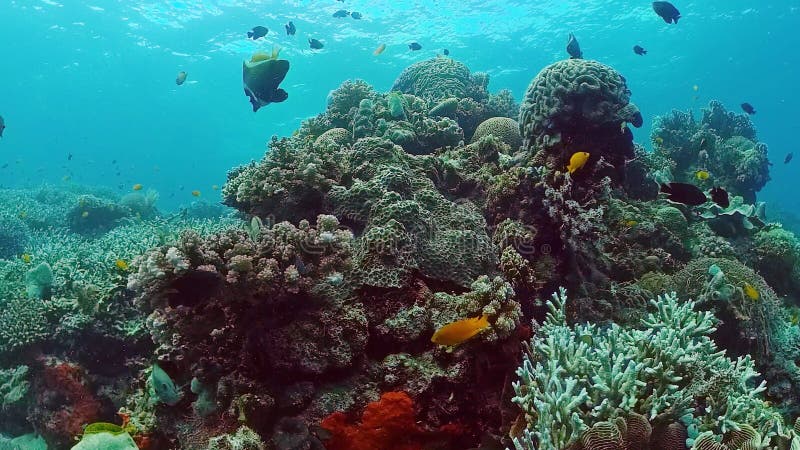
[[388, 424]]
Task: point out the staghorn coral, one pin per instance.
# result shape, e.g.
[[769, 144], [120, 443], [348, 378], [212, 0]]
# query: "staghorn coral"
[[93, 215], [574, 94], [502, 127], [14, 236], [574, 377]]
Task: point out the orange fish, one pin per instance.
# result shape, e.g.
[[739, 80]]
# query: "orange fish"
[[379, 50], [460, 331], [577, 161]]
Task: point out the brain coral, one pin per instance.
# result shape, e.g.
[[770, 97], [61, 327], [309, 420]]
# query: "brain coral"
[[502, 127], [574, 93], [435, 79]]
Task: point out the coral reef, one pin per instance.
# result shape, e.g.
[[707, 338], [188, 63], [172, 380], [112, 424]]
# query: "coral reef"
[[721, 142]]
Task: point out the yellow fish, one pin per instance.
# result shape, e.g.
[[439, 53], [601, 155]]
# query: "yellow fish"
[[460, 331], [22, 214], [659, 140], [26, 258], [794, 319], [85, 214], [121, 265], [630, 223], [379, 50], [65, 178], [577, 161], [702, 174], [137, 187], [215, 187], [196, 193], [751, 292]]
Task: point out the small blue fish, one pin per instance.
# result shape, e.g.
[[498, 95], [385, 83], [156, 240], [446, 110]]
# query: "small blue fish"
[[162, 386]]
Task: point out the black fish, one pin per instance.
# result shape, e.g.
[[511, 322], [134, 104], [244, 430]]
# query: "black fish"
[[574, 48], [257, 33], [788, 158], [667, 11], [2, 126], [261, 80], [341, 13], [356, 15], [414, 46], [720, 197], [748, 108], [290, 29], [315, 44], [639, 50], [446, 52], [4, 166], [685, 193], [69, 157]]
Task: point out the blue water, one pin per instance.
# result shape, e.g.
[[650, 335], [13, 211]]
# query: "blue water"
[[95, 79]]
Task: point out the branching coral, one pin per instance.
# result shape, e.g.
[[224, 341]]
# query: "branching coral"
[[574, 377]]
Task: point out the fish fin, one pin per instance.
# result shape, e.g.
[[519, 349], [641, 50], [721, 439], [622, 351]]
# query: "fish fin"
[[280, 95], [250, 34], [667, 19]]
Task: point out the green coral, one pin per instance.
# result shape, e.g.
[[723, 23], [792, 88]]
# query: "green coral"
[[243, 438], [574, 92], [574, 377], [435, 79], [502, 127]]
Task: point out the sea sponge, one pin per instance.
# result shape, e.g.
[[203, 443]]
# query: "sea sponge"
[[574, 93], [434, 79], [505, 128]]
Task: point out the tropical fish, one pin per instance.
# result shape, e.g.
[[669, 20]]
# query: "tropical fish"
[[460, 331], [261, 77], [315, 44], [720, 197], [687, 194], [750, 292], [577, 161], [574, 48], [748, 108], [702, 175], [341, 13], [667, 11], [26, 258], [181, 78], [379, 50], [356, 15], [659, 140], [85, 214], [630, 223], [22, 214], [215, 187], [639, 50], [137, 187], [696, 88], [2, 126], [794, 319], [414, 46], [196, 193], [121, 264], [290, 28], [788, 158], [163, 387], [257, 33]]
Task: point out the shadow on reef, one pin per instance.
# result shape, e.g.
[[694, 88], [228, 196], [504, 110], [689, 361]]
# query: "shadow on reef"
[[392, 215]]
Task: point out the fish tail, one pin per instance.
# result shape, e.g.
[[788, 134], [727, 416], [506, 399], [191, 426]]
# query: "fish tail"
[[249, 34], [483, 321]]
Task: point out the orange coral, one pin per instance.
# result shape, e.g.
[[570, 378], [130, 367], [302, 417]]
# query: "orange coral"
[[388, 424]]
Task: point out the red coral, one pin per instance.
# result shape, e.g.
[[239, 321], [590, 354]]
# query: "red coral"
[[65, 401], [388, 424]]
